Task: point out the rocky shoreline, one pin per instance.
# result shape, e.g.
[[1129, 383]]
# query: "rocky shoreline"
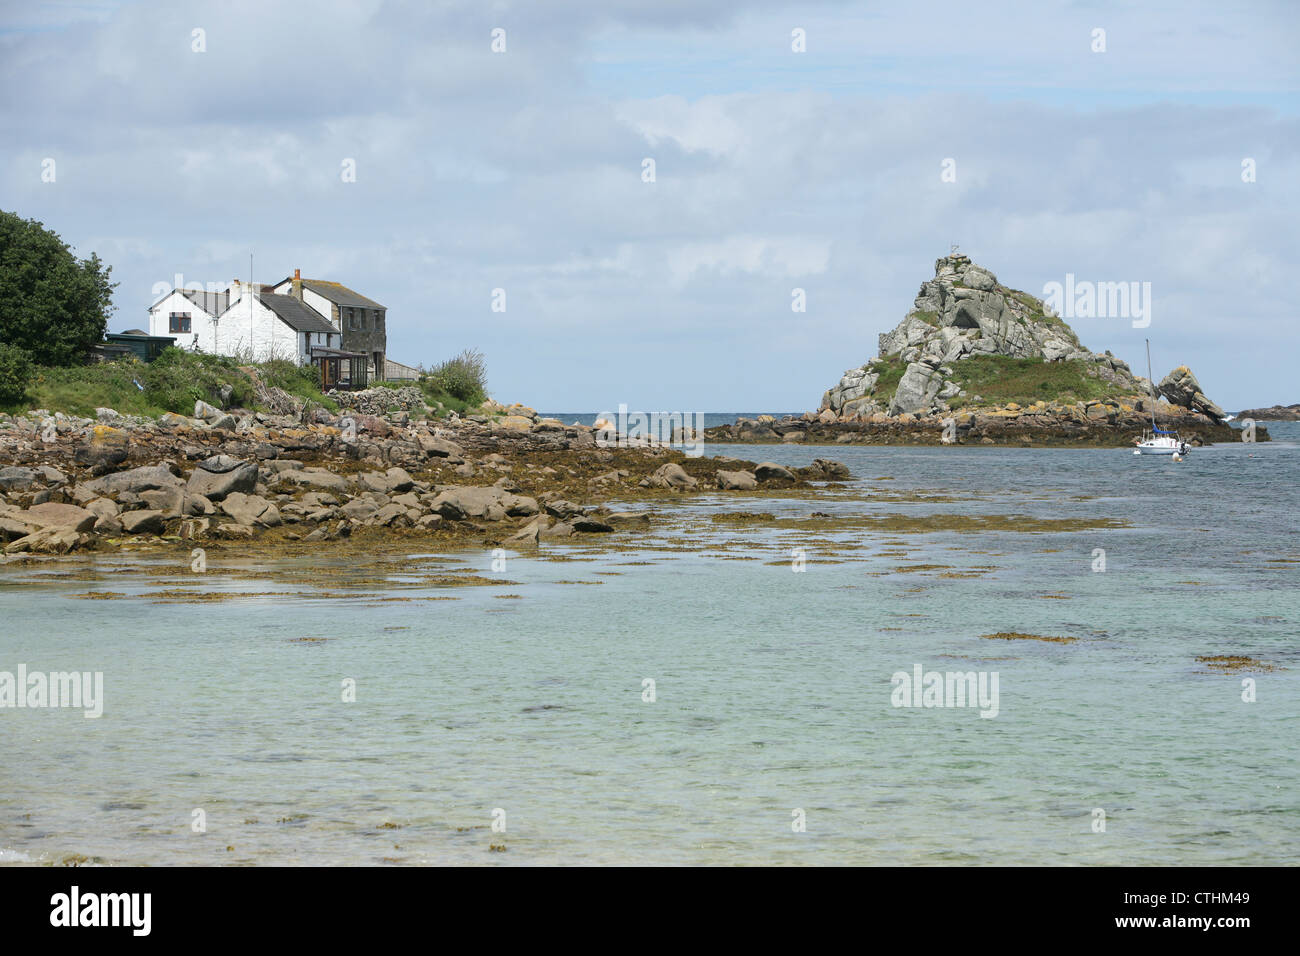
[[1104, 424], [316, 478]]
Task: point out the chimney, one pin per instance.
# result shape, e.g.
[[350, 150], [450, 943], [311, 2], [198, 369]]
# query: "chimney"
[[297, 285]]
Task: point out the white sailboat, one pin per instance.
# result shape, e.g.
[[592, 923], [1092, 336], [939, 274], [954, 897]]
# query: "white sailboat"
[[1157, 441]]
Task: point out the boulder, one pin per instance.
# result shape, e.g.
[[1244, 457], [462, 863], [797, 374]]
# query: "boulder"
[[315, 478], [13, 527], [625, 520], [53, 515], [462, 502], [134, 480], [769, 472], [916, 390], [103, 450], [207, 413], [222, 475], [46, 541], [233, 532], [17, 478], [1181, 387], [250, 510], [170, 501], [672, 475], [142, 522], [824, 469], [528, 536], [436, 447], [737, 480]]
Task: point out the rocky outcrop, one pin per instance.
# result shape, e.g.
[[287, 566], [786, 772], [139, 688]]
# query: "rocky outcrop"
[[964, 313], [1181, 387]]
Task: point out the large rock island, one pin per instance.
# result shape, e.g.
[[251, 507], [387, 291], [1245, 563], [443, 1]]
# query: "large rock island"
[[974, 360]]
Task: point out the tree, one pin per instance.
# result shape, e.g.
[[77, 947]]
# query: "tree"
[[53, 305]]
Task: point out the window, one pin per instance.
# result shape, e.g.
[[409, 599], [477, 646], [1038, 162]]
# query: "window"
[[178, 322], [352, 319]]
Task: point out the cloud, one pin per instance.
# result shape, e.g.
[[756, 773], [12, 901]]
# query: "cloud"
[[522, 171]]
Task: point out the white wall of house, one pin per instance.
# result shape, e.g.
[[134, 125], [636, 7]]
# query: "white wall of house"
[[250, 329], [200, 322], [321, 304]]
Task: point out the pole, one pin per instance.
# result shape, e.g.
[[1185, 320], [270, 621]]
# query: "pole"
[[1152, 382]]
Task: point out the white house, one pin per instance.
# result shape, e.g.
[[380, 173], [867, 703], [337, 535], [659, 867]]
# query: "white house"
[[300, 320], [188, 316], [246, 322]]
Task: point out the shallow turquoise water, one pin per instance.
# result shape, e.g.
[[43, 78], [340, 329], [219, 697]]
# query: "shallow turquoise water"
[[772, 688]]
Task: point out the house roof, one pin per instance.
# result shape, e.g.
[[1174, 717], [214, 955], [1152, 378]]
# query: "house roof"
[[213, 303], [340, 294], [297, 316], [136, 334]]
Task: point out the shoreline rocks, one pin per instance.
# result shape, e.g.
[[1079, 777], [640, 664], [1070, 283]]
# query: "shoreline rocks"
[[283, 480]]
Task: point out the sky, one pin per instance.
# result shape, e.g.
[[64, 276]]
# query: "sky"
[[186, 135]]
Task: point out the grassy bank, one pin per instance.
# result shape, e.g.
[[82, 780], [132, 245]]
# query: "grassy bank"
[[177, 379], [172, 383]]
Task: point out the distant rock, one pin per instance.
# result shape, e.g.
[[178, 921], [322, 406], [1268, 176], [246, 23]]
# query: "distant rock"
[[962, 313], [1274, 413]]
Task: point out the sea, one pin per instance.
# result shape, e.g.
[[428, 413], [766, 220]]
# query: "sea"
[[716, 689]]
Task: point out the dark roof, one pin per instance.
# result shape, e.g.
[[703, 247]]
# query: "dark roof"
[[340, 294], [137, 334], [297, 316], [213, 303]]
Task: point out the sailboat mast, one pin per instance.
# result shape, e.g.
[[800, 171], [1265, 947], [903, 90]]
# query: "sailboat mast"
[[1152, 382]]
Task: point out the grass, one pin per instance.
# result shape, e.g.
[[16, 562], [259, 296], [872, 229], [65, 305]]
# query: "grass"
[[999, 379], [177, 379], [171, 383], [891, 373]]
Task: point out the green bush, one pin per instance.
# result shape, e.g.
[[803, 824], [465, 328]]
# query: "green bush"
[[15, 373], [463, 377], [177, 379], [56, 306]]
